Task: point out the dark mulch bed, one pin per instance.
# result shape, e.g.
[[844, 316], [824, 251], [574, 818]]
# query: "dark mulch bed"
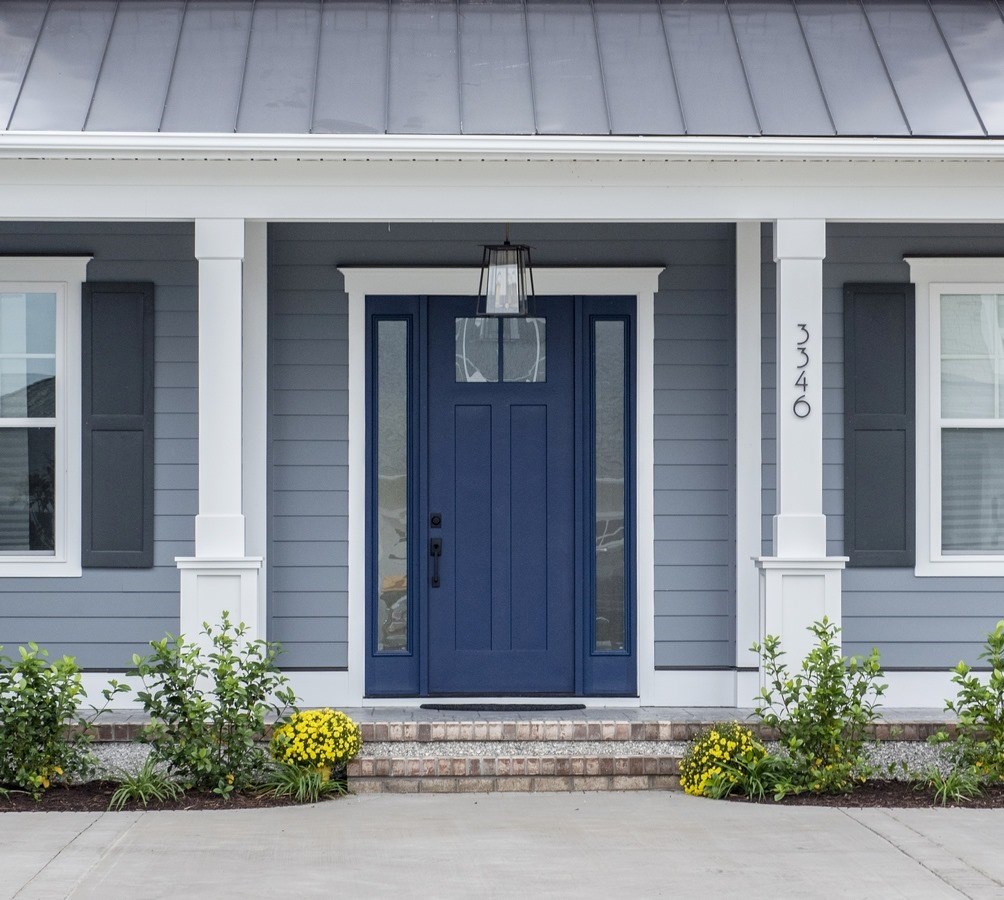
[[893, 794], [95, 796]]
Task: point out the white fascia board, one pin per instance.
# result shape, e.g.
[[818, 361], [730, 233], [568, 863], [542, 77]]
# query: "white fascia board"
[[146, 145]]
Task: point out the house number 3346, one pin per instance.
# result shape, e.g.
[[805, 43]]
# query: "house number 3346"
[[801, 406]]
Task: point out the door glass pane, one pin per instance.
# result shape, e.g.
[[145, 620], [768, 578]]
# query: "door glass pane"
[[477, 349], [609, 453], [392, 438], [524, 350], [27, 491], [972, 491]]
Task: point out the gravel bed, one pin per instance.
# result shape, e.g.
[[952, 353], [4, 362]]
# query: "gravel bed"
[[116, 757]]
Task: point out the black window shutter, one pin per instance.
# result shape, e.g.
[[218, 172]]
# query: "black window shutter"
[[879, 427], [117, 394]]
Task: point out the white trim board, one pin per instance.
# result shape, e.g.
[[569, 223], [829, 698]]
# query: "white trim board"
[[933, 276], [405, 147], [62, 275], [642, 283]]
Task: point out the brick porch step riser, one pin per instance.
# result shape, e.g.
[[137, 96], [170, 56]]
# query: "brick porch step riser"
[[473, 767], [515, 783]]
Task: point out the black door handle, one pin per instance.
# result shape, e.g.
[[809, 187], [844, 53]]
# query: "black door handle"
[[435, 551]]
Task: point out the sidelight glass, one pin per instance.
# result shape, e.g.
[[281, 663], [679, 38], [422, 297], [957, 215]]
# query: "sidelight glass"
[[610, 467], [392, 440]]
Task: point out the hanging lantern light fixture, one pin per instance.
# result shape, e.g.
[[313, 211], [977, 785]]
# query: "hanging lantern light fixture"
[[505, 275]]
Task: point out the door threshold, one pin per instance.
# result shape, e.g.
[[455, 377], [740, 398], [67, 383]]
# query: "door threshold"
[[503, 707], [582, 702]]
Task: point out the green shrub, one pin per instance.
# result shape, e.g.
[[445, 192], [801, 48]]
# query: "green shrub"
[[979, 738], [43, 738], [207, 708], [821, 712], [957, 786], [144, 786], [723, 759], [302, 785]]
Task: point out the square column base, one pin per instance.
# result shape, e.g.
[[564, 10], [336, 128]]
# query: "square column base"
[[211, 586], [794, 593]]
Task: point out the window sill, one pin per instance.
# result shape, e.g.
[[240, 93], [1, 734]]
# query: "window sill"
[[961, 567], [39, 568]]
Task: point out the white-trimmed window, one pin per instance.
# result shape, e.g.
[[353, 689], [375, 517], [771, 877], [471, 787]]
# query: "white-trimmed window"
[[40, 415], [960, 416]]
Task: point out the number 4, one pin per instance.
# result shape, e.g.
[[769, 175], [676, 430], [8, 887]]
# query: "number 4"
[[801, 382]]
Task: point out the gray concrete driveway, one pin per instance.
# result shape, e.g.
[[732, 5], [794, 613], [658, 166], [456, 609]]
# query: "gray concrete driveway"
[[504, 845]]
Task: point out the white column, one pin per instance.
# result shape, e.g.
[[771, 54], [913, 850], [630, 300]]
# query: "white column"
[[220, 576], [748, 457], [799, 525], [799, 584]]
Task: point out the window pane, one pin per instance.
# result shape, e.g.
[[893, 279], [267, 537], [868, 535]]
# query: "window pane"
[[27, 490], [28, 323], [609, 379], [477, 349], [392, 484], [28, 388], [524, 349], [969, 325], [972, 491], [967, 389]]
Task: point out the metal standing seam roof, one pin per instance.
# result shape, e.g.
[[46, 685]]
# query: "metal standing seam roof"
[[848, 68]]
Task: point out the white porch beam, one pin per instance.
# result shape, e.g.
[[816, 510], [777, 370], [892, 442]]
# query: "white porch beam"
[[559, 191]]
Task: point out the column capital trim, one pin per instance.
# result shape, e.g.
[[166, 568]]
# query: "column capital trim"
[[799, 239], [811, 563], [219, 239]]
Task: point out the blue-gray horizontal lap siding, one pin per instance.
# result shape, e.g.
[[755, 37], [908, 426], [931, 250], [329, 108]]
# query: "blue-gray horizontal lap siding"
[[106, 615], [694, 418], [916, 623]]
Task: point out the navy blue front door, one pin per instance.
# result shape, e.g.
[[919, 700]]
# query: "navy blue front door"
[[501, 500], [500, 494]]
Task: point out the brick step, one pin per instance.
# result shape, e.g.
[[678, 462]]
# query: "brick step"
[[440, 773], [121, 726], [605, 730]]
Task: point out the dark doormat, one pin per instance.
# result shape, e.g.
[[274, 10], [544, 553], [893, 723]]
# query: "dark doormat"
[[502, 707]]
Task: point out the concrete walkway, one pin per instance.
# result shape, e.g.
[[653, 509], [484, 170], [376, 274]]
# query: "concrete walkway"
[[502, 845]]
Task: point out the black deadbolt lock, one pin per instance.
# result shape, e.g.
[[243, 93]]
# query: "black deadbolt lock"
[[435, 520]]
